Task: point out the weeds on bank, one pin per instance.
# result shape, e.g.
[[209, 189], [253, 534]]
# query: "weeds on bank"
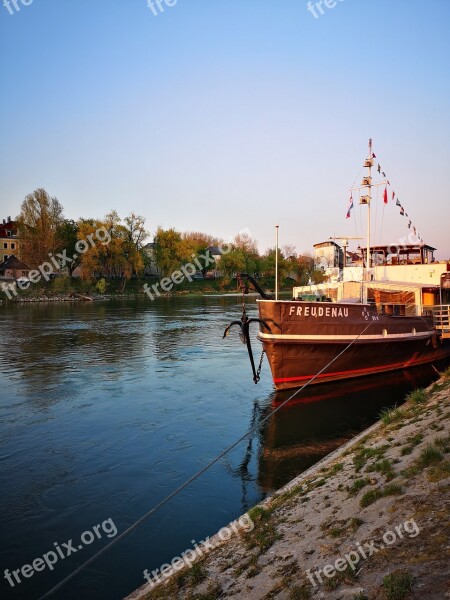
[[418, 396], [391, 415], [357, 485], [372, 496], [300, 592], [264, 533], [413, 441], [397, 585], [365, 454]]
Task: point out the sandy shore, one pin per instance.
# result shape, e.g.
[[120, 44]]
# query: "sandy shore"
[[370, 521]]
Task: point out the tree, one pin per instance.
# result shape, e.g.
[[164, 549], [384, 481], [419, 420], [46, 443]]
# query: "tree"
[[171, 251], [38, 223], [121, 257], [68, 237], [268, 264], [135, 231]]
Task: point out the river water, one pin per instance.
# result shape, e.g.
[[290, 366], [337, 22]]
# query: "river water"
[[107, 407]]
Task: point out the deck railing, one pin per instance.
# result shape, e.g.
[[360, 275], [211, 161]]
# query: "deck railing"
[[441, 318]]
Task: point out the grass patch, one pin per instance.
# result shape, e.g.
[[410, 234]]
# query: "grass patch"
[[355, 523], [397, 585], [443, 443], [413, 441], [446, 373], [439, 471], [336, 468], [264, 533], [197, 574], [362, 456], [357, 485], [391, 415], [430, 455], [392, 490], [384, 467], [418, 396], [300, 592], [370, 497]]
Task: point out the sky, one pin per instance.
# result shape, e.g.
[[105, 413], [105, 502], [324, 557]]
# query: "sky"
[[222, 115]]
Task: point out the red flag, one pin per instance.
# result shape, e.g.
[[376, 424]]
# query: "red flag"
[[393, 196], [385, 196]]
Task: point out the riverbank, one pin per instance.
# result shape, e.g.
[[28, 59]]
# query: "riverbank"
[[370, 521], [62, 290]]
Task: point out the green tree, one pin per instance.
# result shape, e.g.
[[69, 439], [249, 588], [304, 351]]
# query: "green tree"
[[68, 237], [38, 223], [171, 251]]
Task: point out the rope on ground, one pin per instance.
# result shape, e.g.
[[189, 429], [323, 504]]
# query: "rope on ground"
[[179, 489]]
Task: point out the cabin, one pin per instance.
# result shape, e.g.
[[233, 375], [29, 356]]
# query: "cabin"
[[13, 268]]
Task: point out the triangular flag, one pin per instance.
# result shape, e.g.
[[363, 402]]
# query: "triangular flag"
[[384, 174], [350, 207], [409, 225], [406, 214], [388, 182], [415, 230], [385, 196], [374, 155], [402, 211], [398, 201], [379, 168]]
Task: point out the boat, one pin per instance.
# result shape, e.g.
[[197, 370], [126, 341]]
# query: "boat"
[[388, 310]]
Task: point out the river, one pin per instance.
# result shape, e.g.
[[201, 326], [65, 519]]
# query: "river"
[[107, 407]]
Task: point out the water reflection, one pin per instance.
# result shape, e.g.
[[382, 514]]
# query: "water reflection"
[[323, 417]]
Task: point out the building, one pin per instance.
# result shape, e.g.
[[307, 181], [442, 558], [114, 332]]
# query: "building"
[[9, 241], [13, 268], [151, 268]]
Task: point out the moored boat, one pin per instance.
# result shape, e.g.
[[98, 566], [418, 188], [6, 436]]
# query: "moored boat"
[[389, 310]]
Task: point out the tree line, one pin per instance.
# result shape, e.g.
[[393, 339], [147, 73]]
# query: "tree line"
[[44, 231]]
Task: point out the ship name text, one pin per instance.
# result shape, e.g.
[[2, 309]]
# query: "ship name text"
[[318, 311]]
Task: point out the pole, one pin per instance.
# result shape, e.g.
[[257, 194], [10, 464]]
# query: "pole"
[[276, 261], [368, 214]]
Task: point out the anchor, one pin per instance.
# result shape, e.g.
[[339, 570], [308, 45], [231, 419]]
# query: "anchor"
[[244, 335]]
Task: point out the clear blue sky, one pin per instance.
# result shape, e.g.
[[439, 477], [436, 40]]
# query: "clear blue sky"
[[224, 114]]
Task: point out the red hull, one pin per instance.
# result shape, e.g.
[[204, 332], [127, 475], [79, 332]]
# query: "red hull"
[[305, 337]]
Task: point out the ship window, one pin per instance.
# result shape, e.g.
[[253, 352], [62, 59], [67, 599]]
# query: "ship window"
[[414, 331], [385, 332]]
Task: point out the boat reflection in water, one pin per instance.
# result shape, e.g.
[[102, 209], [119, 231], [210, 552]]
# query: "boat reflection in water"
[[322, 418]]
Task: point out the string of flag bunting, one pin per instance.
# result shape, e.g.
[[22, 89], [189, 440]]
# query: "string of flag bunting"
[[395, 198]]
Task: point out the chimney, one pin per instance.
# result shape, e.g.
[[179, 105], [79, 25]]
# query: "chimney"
[[4, 221], [9, 219]]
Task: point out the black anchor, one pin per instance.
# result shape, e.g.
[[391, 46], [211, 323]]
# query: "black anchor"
[[244, 335]]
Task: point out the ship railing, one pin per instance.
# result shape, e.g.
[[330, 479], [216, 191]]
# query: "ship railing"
[[441, 318]]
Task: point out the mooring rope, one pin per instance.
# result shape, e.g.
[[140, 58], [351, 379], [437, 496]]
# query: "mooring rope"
[[196, 475]]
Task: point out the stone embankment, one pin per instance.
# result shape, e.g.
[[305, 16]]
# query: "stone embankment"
[[369, 522]]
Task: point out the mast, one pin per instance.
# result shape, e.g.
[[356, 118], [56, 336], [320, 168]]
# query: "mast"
[[366, 199], [276, 262], [369, 163]]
